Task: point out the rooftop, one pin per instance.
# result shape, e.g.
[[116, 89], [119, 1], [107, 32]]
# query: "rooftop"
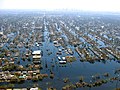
[[36, 52]]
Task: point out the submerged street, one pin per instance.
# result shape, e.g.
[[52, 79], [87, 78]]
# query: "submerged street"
[[77, 51]]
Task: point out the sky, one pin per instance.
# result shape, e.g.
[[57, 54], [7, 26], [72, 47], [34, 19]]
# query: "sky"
[[92, 5]]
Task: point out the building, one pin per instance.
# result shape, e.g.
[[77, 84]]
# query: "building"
[[36, 54]]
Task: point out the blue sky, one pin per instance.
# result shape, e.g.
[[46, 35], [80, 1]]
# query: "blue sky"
[[92, 5]]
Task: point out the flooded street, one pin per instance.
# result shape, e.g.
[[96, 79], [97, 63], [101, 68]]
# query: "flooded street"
[[74, 51]]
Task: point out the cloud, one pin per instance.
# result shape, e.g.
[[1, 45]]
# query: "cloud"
[[94, 5]]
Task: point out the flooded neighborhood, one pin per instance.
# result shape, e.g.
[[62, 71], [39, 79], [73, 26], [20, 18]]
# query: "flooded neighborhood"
[[59, 50]]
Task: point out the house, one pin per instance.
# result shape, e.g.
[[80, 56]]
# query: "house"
[[63, 58], [55, 42], [36, 54], [1, 33], [59, 58], [34, 88], [62, 62]]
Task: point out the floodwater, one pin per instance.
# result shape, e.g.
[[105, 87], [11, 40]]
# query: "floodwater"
[[73, 70]]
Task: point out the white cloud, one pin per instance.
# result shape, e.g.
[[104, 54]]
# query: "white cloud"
[[96, 5]]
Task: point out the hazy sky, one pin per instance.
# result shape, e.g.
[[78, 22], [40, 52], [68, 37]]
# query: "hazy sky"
[[94, 5]]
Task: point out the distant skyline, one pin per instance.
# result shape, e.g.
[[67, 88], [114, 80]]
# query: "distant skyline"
[[85, 5]]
